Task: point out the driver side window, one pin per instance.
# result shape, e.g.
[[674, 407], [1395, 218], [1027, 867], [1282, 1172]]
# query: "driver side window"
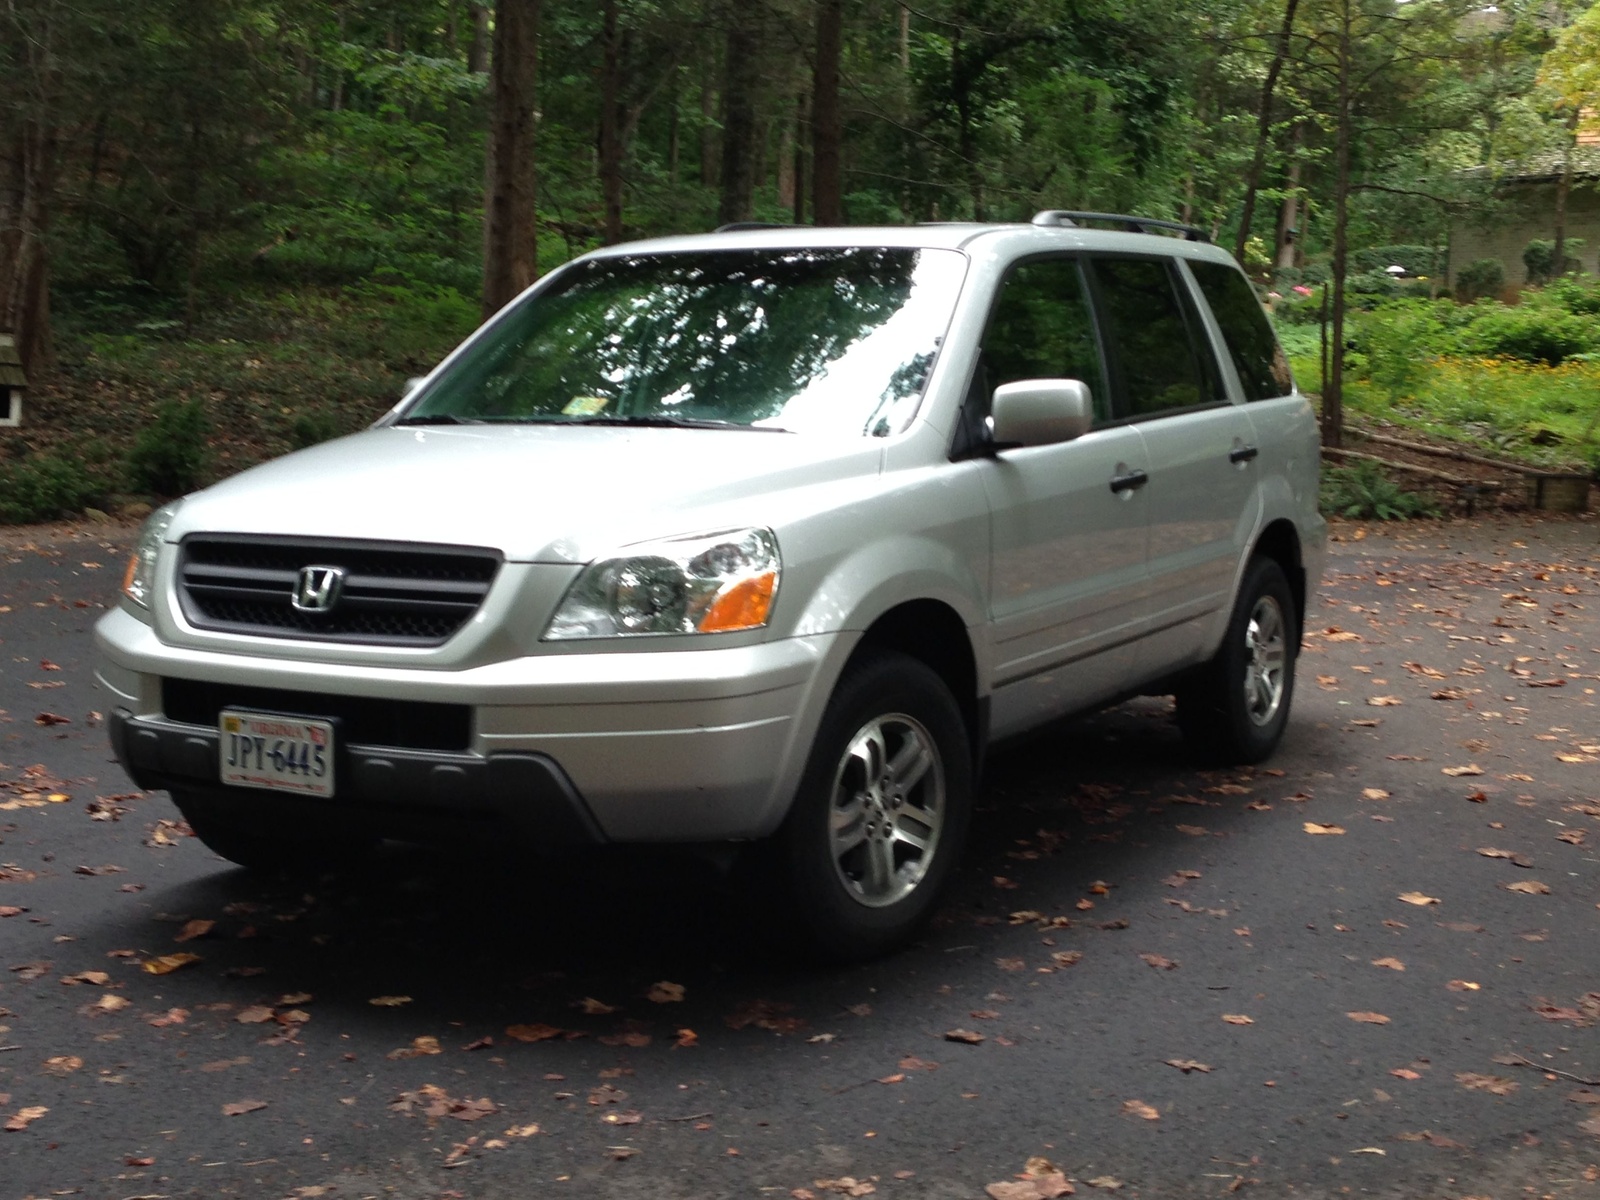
[[1042, 328]]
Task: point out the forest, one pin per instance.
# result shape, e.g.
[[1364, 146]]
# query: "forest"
[[233, 227]]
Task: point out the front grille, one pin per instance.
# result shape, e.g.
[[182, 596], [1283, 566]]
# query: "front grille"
[[363, 721], [394, 593]]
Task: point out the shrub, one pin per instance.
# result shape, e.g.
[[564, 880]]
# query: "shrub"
[[1400, 340], [1575, 295], [1531, 332], [1482, 277], [310, 428], [169, 457], [1362, 490], [1539, 258], [55, 483]]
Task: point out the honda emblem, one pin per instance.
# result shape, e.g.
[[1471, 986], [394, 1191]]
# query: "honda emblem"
[[317, 589]]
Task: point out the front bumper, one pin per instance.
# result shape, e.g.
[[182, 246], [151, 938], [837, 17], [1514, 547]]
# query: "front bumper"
[[659, 745], [391, 792]]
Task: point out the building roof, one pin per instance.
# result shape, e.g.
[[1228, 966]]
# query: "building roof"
[[1544, 167]]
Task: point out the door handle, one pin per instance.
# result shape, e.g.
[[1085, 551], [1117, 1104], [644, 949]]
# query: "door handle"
[[1128, 482], [1241, 454]]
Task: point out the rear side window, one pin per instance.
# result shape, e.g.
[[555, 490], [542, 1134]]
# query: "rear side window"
[[1152, 336], [1263, 368], [1042, 329]]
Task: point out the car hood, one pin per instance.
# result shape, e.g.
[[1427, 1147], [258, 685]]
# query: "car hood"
[[537, 493]]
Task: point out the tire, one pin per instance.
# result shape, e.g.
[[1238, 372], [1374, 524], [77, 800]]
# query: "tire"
[[881, 815], [1233, 710], [308, 850]]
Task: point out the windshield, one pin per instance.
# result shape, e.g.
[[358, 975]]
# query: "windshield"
[[836, 340]]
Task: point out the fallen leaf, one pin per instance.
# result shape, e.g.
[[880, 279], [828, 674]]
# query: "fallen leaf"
[[1404, 1073], [419, 1048], [24, 1117], [1494, 1084], [963, 1035], [1238, 1019], [846, 1185], [1374, 794], [665, 993], [1188, 1064], [1418, 898], [1138, 1108], [1458, 772], [630, 1117], [898, 1077], [62, 1064], [1384, 701], [1159, 963], [47, 719], [390, 1001], [1368, 1018], [167, 963], [686, 1038], [533, 1033], [523, 1131], [1573, 837], [1463, 985], [1067, 958], [98, 978], [1011, 964], [1108, 1183], [596, 1008], [912, 1063], [1529, 887], [256, 1014], [1394, 964], [194, 929], [173, 1016], [110, 1003], [239, 1107], [1193, 830], [1319, 827]]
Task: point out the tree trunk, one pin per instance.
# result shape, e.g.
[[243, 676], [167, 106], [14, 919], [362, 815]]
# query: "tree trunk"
[[802, 113], [25, 208], [1333, 389], [708, 123], [1288, 238], [1252, 175], [510, 260], [478, 44], [827, 125], [611, 123], [1558, 253], [786, 159], [741, 78]]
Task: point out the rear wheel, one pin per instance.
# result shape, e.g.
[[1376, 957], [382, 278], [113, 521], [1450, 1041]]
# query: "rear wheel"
[[1234, 709], [882, 810], [308, 848]]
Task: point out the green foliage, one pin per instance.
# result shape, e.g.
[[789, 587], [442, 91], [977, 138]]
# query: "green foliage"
[[1418, 260], [1482, 277], [1362, 491], [55, 483], [1575, 295], [1532, 332], [311, 428], [1539, 259], [170, 456]]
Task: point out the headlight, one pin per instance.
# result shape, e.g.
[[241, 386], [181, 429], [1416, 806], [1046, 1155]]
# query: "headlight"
[[705, 583], [139, 581]]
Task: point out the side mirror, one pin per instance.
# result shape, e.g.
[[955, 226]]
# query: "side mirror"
[[1041, 412]]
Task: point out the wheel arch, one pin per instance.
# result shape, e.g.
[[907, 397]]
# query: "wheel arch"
[[933, 633], [1280, 541]]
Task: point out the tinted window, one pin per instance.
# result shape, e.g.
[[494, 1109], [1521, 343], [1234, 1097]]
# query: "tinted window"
[[1042, 329], [835, 341], [1149, 333], [1263, 369]]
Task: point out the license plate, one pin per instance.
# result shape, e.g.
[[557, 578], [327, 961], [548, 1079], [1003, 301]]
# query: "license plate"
[[282, 754]]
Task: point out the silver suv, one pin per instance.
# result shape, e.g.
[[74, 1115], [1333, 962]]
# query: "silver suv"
[[760, 536]]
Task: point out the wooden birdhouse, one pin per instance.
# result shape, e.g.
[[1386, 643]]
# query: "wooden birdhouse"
[[12, 382]]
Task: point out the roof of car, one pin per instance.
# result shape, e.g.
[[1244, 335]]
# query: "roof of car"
[[964, 236]]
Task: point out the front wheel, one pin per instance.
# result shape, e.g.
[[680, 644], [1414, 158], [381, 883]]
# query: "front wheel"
[[1234, 708], [882, 810]]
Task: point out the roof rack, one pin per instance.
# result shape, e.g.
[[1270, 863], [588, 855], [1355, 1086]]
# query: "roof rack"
[[1059, 217], [742, 226]]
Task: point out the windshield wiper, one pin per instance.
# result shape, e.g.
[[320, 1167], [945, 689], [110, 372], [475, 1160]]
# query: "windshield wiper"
[[670, 422], [438, 419]]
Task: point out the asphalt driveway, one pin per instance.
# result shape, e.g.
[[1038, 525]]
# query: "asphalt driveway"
[[1371, 967]]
